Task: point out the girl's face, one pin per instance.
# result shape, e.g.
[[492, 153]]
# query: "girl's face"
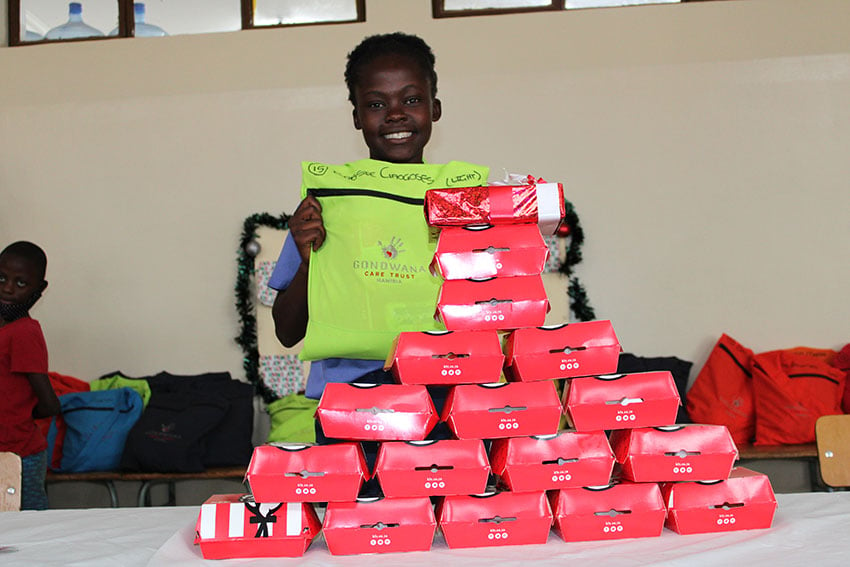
[[394, 108]]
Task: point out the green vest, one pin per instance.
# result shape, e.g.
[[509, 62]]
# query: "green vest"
[[370, 280]]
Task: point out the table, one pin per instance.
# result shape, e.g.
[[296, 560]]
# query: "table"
[[808, 529]]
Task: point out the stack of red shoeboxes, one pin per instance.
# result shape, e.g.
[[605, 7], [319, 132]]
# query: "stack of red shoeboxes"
[[621, 468]]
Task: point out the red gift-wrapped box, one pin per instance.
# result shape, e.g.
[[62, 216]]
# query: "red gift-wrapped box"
[[535, 202], [376, 412], [495, 519], [379, 525], [432, 468], [490, 251], [496, 303], [674, 453], [549, 462], [306, 473], [508, 409], [446, 357], [588, 348], [233, 525], [744, 501], [622, 401], [617, 511]]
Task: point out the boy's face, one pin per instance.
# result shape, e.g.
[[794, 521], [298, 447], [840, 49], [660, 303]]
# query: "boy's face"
[[394, 108], [19, 279]]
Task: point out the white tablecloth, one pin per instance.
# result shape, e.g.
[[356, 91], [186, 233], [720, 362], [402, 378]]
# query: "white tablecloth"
[[811, 529]]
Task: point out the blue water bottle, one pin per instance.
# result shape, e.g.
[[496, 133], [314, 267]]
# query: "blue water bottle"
[[74, 27]]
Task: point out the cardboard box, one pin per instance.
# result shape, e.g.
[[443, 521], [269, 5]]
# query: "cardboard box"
[[233, 525], [534, 202], [432, 468], [621, 401], [292, 472], [744, 501], [377, 412], [674, 453], [588, 348], [379, 525], [447, 357], [508, 409], [495, 519], [617, 511], [496, 303], [549, 462], [490, 251]]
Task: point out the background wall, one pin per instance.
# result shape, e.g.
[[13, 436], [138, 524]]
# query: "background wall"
[[704, 146]]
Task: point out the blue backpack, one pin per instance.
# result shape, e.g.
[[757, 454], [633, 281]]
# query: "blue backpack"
[[97, 426]]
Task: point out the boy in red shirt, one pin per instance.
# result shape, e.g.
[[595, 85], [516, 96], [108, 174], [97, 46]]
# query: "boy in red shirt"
[[25, 390]]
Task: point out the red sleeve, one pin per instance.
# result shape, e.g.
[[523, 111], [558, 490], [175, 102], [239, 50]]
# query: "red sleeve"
[[28, 349]]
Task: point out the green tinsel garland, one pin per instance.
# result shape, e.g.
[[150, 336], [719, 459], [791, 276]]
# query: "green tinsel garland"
[[247, 338], [579, 302]]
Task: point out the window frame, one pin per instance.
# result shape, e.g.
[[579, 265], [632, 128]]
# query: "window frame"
[[127, 24], [439, 9]]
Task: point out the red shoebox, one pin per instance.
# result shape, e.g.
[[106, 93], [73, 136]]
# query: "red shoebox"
[[495, 303], [495, 519], [744, 501], [548, 462], [674, 453], [490, 251], [233, 525], [376, 412], [589, 348], [432, 468], [534, 202], [379, 525], [507, 409], [621, 401], [306, 473], [446, 357], [617, 511]]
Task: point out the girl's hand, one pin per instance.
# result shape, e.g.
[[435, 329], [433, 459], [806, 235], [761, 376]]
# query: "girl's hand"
[[307, 227]]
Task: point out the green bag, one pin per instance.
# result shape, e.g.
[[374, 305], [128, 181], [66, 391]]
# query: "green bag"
[[292, 419], [370, 279], [140, 385]]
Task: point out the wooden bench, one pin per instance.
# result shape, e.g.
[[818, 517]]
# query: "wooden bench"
[[108, 479], [806, 452]]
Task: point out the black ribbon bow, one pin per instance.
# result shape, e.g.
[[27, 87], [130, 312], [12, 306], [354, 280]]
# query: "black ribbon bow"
[[263, 521]]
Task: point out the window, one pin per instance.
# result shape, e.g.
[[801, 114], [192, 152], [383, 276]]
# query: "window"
[[38, 21], [285, 12], [451, 8]]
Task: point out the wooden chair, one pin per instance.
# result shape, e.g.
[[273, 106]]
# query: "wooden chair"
[[833, 440], [10, 482]]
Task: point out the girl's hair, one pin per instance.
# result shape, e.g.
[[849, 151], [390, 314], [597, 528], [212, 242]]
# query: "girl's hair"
[[397, 43], [29, 252]]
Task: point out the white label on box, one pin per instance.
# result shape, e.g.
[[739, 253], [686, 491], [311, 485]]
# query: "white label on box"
[[293, 519], [236, 524], [207, 529]]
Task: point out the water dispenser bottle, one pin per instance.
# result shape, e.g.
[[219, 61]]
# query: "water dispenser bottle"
[[74, 27], [143, 29]]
